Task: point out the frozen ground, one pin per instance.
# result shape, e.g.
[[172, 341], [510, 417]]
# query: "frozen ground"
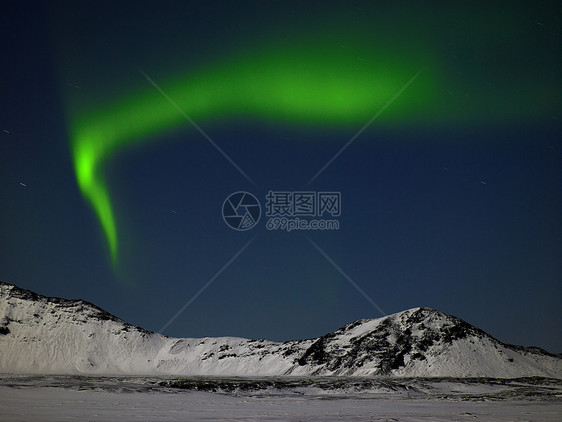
[[59, 398]]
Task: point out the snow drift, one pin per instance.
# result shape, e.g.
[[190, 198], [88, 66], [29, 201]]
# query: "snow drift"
[[42, 335]]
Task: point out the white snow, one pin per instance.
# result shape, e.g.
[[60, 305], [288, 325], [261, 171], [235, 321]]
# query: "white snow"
[[56, 404], [55, 336]]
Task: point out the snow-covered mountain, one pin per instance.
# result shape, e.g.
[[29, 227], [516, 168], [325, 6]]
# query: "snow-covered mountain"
[[57, 336]]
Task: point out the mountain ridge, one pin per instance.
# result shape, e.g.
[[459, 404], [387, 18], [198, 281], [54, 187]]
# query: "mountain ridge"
[[40, 334]]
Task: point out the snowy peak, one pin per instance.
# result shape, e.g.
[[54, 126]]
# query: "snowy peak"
[[78, 310], [393, 341], [78, 307], [423, 342], [51, 335], [416, 319]]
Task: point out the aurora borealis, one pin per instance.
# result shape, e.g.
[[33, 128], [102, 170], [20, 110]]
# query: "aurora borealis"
[[287, 85], [450, 196], [307, 82]]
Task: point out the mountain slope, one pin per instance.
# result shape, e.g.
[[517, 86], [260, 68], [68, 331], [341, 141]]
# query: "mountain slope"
[[57, 336]]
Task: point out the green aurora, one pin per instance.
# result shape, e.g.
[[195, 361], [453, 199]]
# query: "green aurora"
[[286, 86], [306, 86]]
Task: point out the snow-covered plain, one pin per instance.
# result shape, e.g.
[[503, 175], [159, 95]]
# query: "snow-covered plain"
[[55, 398]]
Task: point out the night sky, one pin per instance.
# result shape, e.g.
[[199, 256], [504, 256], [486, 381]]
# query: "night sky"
[[113, 116]]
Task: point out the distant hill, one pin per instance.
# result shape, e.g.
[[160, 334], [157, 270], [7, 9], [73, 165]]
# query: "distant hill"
[[46, 335]]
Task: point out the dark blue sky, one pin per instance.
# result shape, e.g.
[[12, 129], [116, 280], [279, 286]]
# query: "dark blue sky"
[[463, 217]]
